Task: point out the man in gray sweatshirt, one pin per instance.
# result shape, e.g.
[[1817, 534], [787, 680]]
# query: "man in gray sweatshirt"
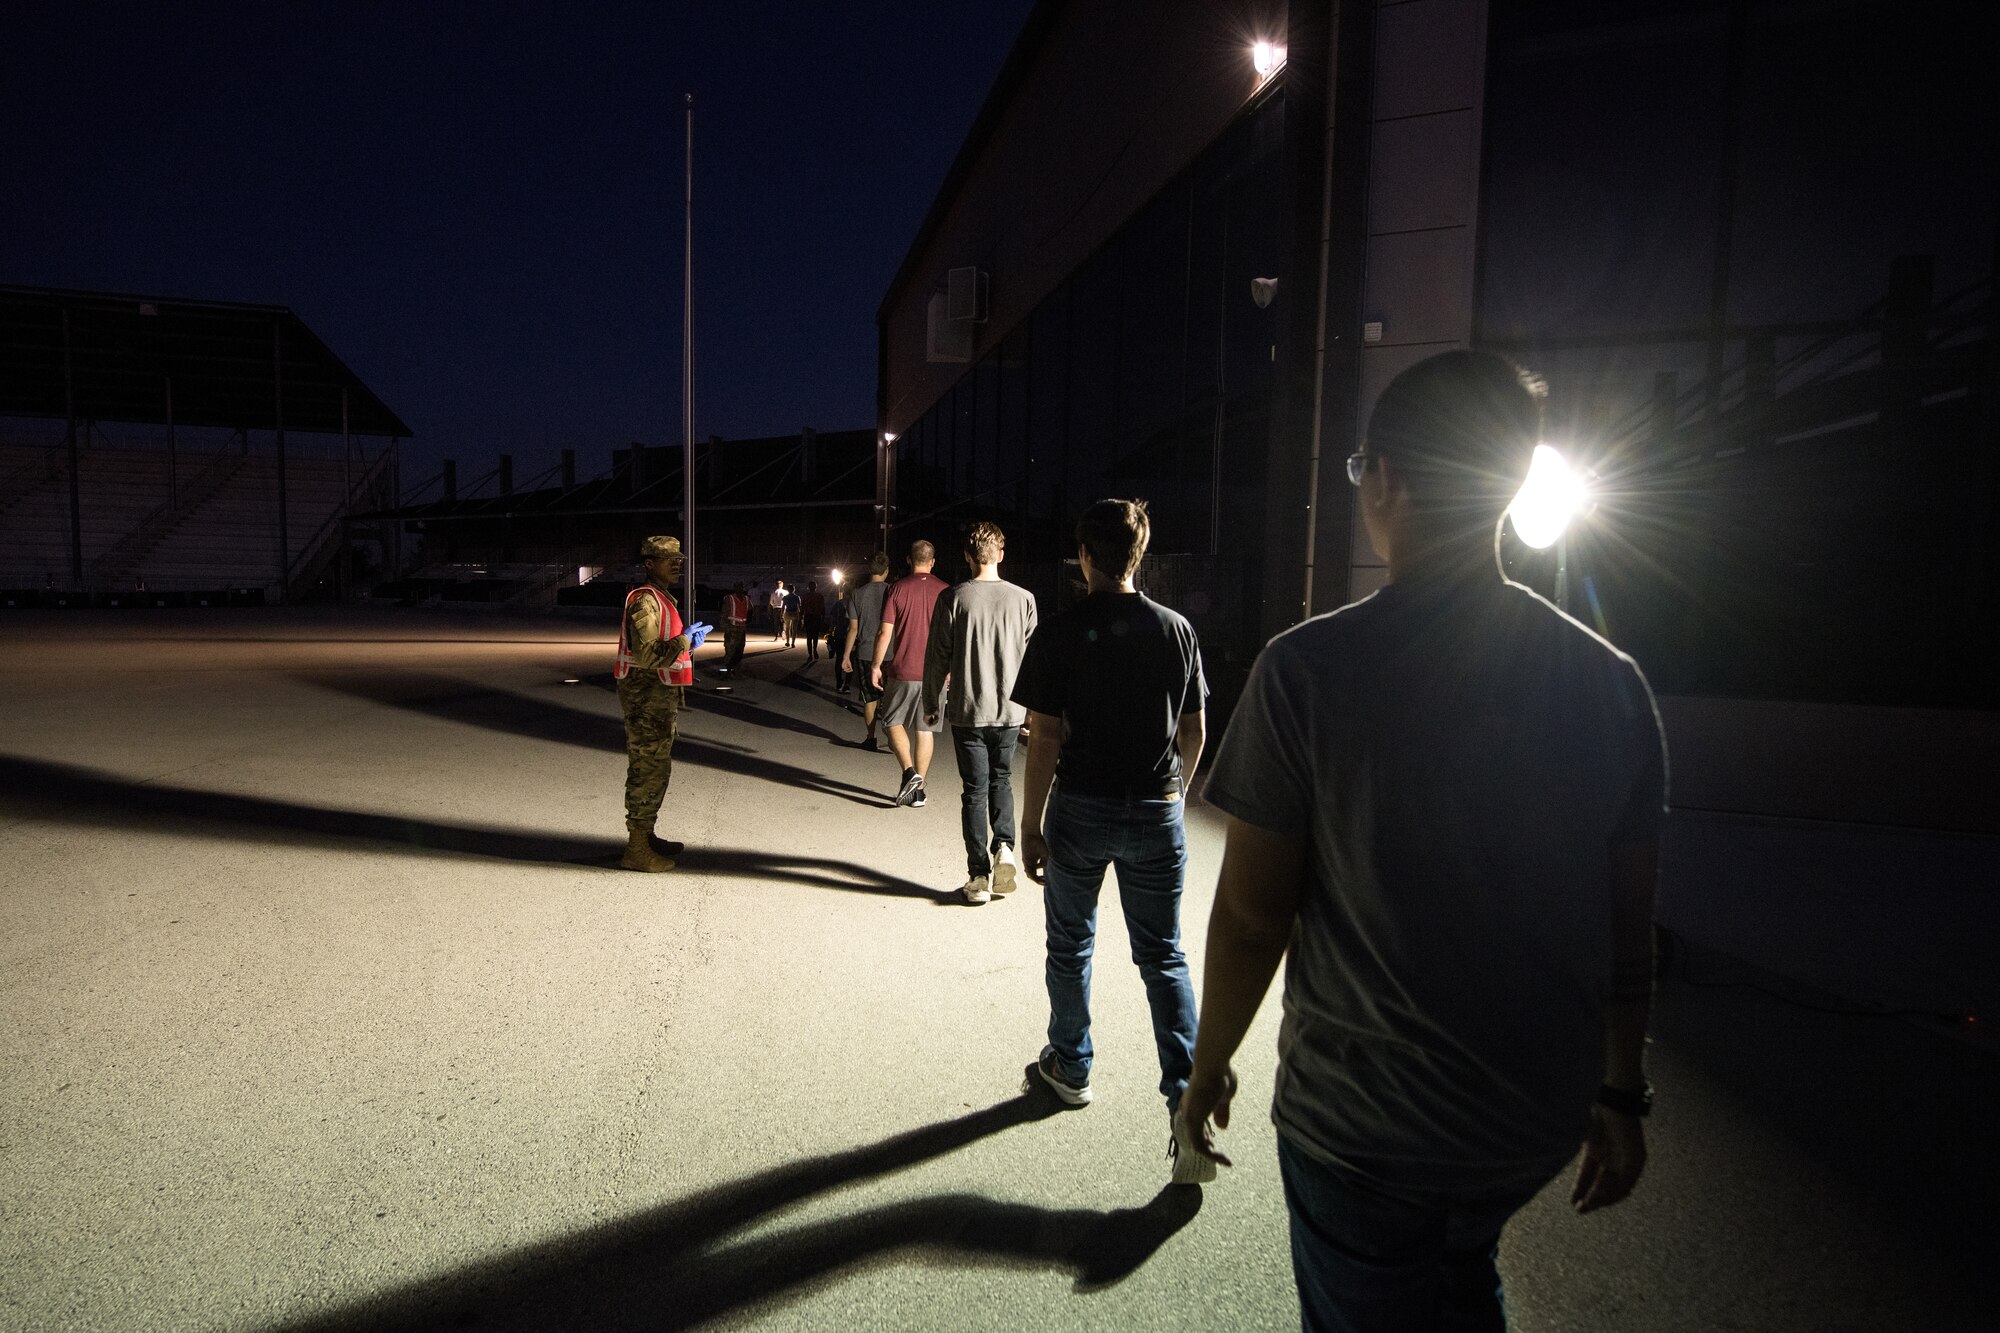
[[979, 633]]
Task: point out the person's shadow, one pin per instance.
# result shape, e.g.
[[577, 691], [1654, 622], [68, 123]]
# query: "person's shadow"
[[821, 872], [467, 703], [668, 1268], [62, 793]]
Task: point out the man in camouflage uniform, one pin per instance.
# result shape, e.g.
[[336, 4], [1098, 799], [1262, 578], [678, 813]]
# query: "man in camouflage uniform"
[[648, 649]]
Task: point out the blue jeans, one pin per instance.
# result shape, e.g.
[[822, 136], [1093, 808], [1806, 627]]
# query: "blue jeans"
[[1148, 843], [986, 768], [1371, 1257]]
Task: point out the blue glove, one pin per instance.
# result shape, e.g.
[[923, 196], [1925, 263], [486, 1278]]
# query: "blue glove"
[[697, 632]]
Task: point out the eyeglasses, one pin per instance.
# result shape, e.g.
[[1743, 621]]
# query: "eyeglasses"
[[1357, 466]]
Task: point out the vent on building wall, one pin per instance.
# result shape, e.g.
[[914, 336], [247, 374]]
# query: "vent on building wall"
[[966, 288], [947, 339], [955, 315]]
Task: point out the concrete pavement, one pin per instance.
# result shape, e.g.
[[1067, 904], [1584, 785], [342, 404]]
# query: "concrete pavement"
[[327, 1007]]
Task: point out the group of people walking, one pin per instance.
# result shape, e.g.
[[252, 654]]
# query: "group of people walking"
[[1443, 806]]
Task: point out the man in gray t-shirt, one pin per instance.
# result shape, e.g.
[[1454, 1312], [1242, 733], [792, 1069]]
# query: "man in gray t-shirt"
[[979, 633], [864, 620], [1445, 802]]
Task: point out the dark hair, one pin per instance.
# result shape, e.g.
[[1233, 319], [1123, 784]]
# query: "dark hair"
[[1462, 428], [922, 553], [879, 563], [1115, 532], [985, 542]]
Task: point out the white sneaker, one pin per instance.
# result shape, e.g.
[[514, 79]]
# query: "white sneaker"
[[1006, 866], [975, 891], [1190, 1165]]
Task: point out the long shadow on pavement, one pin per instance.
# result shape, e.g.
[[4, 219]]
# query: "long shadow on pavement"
[[454, 700], [756, 715], [35, 789], [819, 871], [663, 1269]]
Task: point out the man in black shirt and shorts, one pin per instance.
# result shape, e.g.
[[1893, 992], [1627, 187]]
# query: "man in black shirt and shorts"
[[1115, 695]]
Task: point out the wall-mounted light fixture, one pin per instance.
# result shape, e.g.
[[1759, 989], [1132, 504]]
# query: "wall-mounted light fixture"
[[1268, 57]]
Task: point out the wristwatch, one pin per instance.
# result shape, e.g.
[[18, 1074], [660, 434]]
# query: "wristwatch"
[[1626, 1102]]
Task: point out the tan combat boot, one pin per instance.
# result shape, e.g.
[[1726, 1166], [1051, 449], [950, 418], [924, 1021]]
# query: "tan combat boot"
[[639, 853]]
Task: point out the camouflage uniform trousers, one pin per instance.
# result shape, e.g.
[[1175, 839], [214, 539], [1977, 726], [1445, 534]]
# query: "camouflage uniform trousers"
[[652, 720]]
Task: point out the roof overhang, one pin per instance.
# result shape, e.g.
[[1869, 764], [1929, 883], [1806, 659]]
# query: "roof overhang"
[[113, 357]]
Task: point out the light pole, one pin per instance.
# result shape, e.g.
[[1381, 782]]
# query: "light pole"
[[886, 480], [687, 379]]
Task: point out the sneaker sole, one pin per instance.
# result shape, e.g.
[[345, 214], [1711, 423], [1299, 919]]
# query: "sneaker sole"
[[1003, 878], [1191, 1168], [1191, 1165], [1067, 1095]]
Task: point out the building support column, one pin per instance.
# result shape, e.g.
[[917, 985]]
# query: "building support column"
[[396, 503], [173, 453], [1329, 57], [75, 462], [1725, 218], [278, 410], [340, 576]]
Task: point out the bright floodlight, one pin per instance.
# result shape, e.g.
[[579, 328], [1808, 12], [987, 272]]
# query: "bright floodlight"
[[836, 578], [1550, 497], [1266, 56]]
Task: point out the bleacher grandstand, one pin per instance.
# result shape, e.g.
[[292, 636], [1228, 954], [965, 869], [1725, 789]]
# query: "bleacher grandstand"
[[202, 495], [222, 533]]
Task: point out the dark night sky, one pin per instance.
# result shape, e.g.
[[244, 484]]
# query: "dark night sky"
[[479, 206]]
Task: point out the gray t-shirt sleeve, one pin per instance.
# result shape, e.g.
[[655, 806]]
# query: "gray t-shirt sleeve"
[[1263, 771]]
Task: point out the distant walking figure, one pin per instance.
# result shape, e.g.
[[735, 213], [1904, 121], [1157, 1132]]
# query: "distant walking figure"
[[735, 627], [1444, 809], [838, 616], [777, 605], [791, 612], [979, 632], [1116, 698], [858, 656], [812, 620]]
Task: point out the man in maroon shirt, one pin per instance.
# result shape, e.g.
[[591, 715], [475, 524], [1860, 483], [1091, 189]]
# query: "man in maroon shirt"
[[899, 669]]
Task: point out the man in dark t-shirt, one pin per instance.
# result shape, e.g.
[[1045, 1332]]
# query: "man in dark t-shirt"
[[1444, 807], [1115, 697]]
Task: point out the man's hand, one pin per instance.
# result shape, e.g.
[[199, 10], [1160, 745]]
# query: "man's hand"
[[1613, 1157], [875, 676], [1207, 1099], [930, 719], [847, 661], [1034, 855]]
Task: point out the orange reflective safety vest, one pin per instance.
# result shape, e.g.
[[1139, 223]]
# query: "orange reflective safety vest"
[[682, 670], [736, 608]]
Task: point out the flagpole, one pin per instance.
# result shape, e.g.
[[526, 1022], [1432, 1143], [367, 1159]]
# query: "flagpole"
[[687, 376]]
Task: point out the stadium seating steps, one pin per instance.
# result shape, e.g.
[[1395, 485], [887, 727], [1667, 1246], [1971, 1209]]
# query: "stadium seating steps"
[[221, 542]]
